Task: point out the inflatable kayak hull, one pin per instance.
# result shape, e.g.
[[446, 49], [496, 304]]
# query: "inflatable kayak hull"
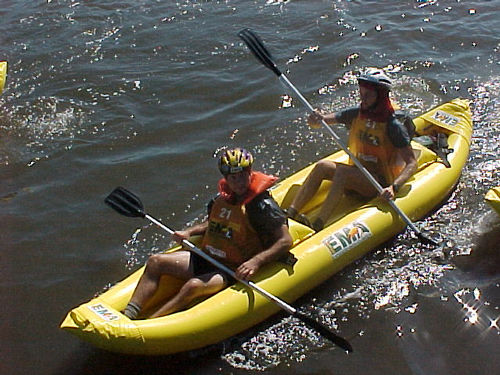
[[354, 229]]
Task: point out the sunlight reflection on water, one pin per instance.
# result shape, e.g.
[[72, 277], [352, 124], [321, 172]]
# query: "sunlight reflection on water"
[[386, 278]]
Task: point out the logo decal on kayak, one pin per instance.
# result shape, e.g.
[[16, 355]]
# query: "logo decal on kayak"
[[445, 118], [347, 238], [104, 312]]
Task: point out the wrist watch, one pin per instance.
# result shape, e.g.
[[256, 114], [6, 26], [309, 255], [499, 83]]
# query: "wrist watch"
[[395, 187]]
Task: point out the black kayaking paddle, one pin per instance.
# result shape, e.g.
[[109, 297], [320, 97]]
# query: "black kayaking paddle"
[[256, 46], [128, 204]]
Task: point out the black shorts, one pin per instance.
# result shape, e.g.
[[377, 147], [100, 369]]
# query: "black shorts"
[[202, 266]]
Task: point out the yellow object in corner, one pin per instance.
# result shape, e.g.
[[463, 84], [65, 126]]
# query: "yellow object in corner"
[[493, 199], [3, 74]]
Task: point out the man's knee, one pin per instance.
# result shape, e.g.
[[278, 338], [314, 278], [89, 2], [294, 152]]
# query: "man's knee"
[[196, 287], [154, 263], [193, 288], [324, 169]]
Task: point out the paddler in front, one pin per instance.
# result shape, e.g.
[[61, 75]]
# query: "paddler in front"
[[379, 137], [245, 230]]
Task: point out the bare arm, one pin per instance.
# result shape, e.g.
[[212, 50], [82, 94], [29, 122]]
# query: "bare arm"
[[279, 247], [195, 230], [314, 120], [409, 169]]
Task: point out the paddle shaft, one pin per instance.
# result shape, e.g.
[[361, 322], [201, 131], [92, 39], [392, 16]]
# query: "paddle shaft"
[[285, 306], [285, 81]]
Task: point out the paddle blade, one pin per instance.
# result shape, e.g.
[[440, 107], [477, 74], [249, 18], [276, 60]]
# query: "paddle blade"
[[324, 331], [126, 203], [427, 240], [255, 44]]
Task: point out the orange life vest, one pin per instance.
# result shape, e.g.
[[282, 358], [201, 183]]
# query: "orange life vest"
[[230, 237], [369, 142]]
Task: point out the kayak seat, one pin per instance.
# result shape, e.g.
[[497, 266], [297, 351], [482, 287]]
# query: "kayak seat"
[[423, 155], [298, 231], [290, 194]]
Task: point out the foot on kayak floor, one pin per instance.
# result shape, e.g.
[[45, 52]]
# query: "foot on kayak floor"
[[318, 224], [131, 311], [301, 218]]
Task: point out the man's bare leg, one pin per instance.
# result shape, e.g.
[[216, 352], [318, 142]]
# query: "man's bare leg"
[[176, 264], [347, 177], [195, 287], [323, 170]]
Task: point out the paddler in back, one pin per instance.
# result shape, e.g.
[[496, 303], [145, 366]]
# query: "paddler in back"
[[245, 230], [379, 137]]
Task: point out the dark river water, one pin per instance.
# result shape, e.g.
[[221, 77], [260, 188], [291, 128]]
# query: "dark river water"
[[142, 93]]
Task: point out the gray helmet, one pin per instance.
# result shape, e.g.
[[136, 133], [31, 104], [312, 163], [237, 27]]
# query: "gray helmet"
[[376, 76]]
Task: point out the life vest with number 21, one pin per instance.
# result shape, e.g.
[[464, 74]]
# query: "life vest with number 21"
[[230, 237]]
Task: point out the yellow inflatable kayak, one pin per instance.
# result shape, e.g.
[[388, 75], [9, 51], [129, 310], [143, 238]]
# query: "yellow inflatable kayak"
[[3, 74], [353, 230], [493, 198]]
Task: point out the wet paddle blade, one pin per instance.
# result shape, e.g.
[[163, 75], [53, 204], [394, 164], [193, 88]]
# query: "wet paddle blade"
[[255, 44], [324, 331], [427, 240], [125, 202]]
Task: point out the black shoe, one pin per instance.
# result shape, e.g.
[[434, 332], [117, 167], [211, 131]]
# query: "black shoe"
[[291, 212], [318, 224]]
